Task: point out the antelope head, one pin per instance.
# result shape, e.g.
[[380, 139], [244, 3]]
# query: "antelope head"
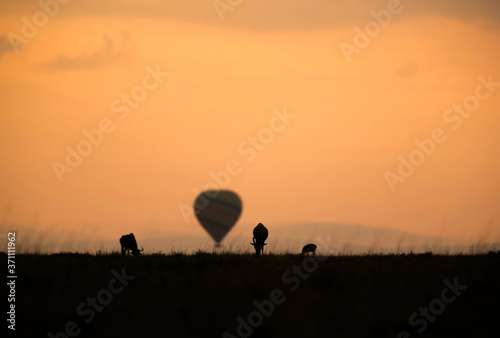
[[259, 247]]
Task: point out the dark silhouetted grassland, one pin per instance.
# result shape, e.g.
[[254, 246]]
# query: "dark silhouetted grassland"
[[202, 295]]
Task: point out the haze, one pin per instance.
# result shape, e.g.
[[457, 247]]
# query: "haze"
[[312, 119]]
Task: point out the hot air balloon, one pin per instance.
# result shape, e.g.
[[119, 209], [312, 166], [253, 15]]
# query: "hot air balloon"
[[217, 211]]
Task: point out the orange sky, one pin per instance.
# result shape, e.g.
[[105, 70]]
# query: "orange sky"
[[348, 125]]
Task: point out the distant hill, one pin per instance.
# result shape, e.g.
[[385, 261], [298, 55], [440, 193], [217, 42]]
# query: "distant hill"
[[345, 238]]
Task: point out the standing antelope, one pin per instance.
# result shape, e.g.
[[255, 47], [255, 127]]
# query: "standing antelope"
[[260, 234], [309, 248]]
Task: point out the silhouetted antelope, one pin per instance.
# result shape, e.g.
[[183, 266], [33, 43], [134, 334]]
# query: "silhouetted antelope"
[[260, 234], [309, 248], [128, 244]]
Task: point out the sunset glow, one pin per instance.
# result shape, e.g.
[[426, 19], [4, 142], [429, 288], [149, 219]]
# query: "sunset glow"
[[115, 116]]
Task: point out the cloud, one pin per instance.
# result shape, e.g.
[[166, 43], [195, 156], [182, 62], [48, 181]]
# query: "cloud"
[[108, 53], [408, 70], [276, 15], [5, 45]]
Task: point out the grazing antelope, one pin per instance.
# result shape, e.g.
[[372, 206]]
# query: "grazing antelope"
[[128, 244], [309, 248], [260, 234]]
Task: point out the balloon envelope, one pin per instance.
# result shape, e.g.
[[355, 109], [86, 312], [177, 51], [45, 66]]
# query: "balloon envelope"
[[217, 211]]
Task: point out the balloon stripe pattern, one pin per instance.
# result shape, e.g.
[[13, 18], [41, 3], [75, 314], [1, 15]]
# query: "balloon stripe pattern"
[[218, 211]]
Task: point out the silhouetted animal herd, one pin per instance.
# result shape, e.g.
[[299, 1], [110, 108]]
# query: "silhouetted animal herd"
[[260, 234]]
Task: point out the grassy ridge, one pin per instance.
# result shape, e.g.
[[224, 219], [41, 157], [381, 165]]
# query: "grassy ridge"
[[202, 295]]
